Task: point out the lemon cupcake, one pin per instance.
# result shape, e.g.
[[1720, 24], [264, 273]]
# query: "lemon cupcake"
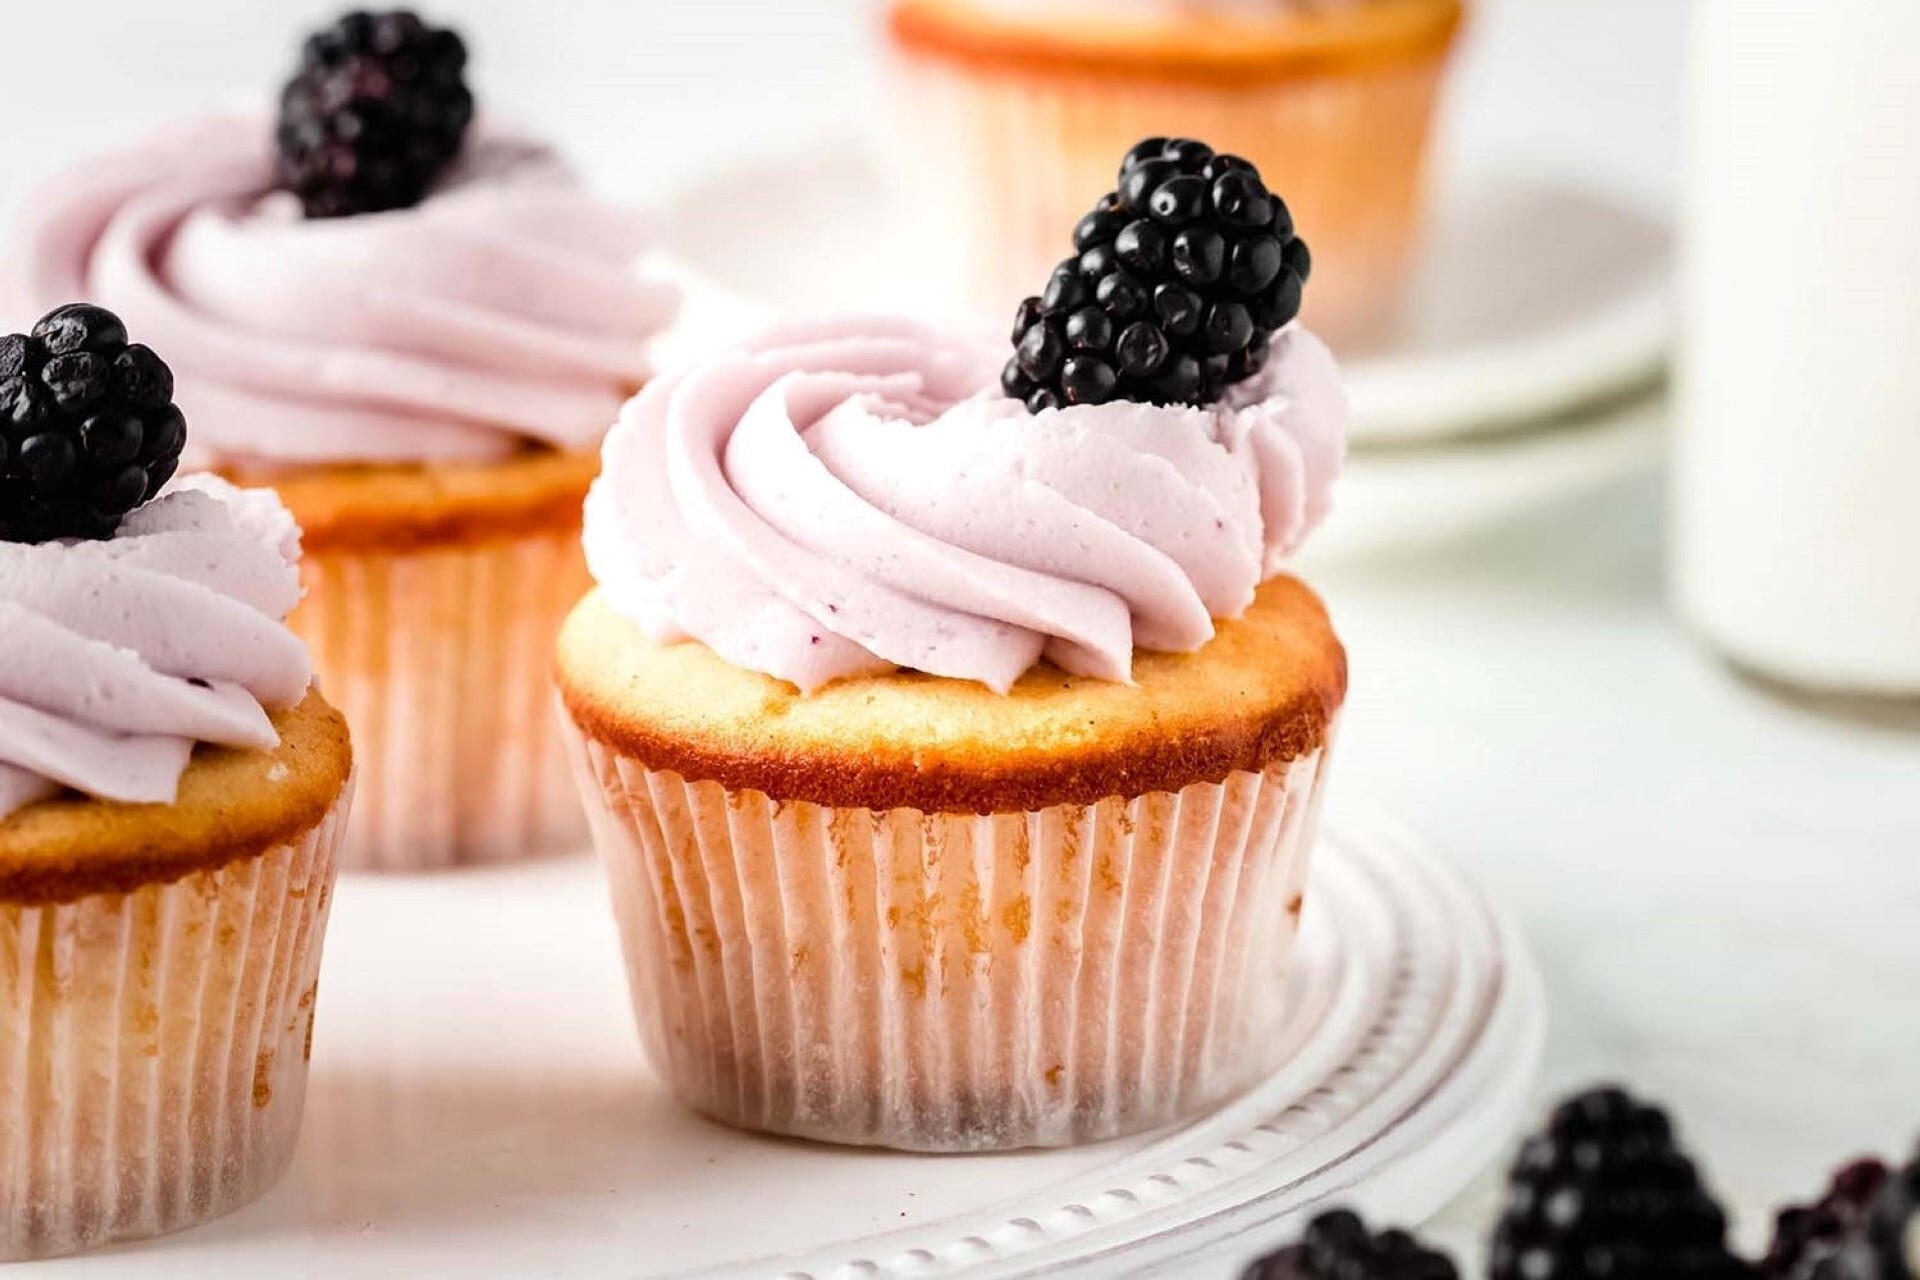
[[1014, 110], [417, 330], [172, 794], [955, 757]]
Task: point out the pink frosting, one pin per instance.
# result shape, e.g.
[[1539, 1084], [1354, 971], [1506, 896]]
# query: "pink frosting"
[[506, 308], [853, 497], [120, 655]]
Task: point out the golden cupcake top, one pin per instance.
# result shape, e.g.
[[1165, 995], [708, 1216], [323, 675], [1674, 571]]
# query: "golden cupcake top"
[[1263, 691], [232, 803]]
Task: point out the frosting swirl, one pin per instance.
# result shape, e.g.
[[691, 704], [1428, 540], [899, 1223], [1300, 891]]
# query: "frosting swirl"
[[122, 654], [505, 309], [847, 498]]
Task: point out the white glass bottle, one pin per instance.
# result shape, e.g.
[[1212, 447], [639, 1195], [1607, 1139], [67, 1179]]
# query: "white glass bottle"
[[1797, 489]]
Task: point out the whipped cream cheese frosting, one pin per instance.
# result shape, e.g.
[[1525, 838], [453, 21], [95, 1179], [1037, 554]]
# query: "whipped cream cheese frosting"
[[853, 497], [506, 309], [122, 654]]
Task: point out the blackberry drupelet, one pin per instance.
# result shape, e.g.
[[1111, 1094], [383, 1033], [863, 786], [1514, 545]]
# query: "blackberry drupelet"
[[1809, 1239], [375, 115], [1338, 1246], [88, 429], [1605, 1191], [1893, 1225], [1180, 278]]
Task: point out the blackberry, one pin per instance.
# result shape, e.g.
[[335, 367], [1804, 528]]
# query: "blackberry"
[[88, 429], [1893, 1226], [1606, 1191], [1808, 1239], [1179, 279], [375, 115], [1338, 1246]]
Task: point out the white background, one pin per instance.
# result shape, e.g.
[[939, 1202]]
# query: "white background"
[[1722, 882]]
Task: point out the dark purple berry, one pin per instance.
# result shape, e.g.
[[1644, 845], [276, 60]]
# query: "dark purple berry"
[[48, 459], [79, 326], [1014, 380], [1810, 1239], [90, 428], [1142, 246], [1179, 383], [1141, 350], [1145, 149], [1026, 317], [1190, 155], [1276, 308], [1179, 279], [1337, 1246], [76, 379], [21, 402], [1087, 380], [13, 356], [1044, 398], [1228, 328], [1240, 198], [1096, 262], [1199, 255], [1100, 226], [1120, 295], [141, 378], [1255, 263], [1254, 358], [1282, 224], [1141, 180], [1039, 352], [1605, 1190], [1299, 260], [1066, 291], [120, 490], [1224, 163], [112, 437], [1089, 329], [1180, 309], [1178, 201], [376, 113], [166, 433]]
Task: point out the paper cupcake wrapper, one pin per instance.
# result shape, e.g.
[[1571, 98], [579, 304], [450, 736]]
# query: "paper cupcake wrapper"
[[1009, 160], [439, 659], [950, 982], [154, 1046]]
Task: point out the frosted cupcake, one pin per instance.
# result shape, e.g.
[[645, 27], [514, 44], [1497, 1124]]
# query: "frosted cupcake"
[[955, 757], [172, 793], [1016, 108], [418, 336]]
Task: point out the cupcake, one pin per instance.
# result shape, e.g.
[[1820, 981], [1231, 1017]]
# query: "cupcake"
[[417, 330], [951, 735], [172, 793], [1013, 111]]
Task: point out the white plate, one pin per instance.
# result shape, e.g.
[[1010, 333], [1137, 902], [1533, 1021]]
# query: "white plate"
[[1532, 300], [1396, 501], [479, 1109]]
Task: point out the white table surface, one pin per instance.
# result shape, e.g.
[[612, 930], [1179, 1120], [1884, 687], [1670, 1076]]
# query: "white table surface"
[[1720, 882]]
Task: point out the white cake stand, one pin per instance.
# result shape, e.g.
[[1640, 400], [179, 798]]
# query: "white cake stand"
[[479, 1108]]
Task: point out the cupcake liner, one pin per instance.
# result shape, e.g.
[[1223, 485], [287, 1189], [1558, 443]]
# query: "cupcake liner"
[[953, 982], [154, 1046], [439, 659], [1009, 159]]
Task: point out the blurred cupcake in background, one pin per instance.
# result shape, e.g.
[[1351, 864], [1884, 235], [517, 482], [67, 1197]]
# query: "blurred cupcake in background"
[[172, 795], [1014, 109], [417, 325]]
